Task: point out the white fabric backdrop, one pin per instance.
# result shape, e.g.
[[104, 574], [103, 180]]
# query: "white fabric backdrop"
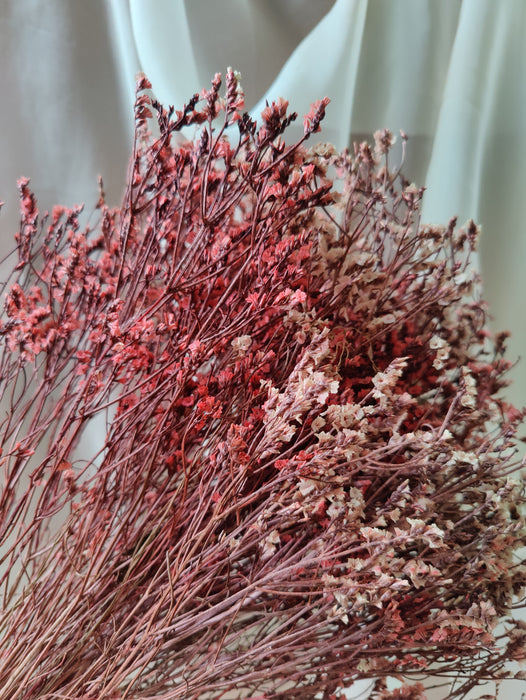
[[450, 74]]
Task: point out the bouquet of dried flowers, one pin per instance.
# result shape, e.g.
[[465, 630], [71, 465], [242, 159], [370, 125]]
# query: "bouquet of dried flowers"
[[303, 469]]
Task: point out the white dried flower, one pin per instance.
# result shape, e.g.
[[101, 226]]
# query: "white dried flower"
[[443, 350], [269, 544], [241, 344], [469, 398], [384, 382], [317, 424]]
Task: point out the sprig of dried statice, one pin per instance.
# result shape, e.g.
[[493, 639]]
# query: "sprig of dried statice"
[[305, 473]]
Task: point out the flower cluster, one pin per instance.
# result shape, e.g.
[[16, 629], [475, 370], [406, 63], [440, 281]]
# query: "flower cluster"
[[301, 466]]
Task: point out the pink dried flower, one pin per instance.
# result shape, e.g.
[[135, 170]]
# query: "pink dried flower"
[[302, 451], [312, 120]]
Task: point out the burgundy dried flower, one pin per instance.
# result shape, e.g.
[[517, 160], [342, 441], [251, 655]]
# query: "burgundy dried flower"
[[300, 465]]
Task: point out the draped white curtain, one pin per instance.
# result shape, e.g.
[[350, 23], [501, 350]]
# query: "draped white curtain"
[[450, 73]]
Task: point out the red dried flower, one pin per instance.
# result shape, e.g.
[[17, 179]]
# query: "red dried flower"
[[254, 438]]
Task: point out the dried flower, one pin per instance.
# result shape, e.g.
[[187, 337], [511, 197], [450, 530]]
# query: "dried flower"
[[302, 471]]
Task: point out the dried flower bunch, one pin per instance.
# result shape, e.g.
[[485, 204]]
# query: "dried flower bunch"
[[303, 470]]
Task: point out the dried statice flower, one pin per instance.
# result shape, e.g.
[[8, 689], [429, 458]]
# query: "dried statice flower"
[[304, 473]]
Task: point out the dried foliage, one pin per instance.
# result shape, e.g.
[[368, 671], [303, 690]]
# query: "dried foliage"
[[305, 473]]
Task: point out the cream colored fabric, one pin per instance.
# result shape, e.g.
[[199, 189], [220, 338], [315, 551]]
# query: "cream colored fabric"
[[450, 73]]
